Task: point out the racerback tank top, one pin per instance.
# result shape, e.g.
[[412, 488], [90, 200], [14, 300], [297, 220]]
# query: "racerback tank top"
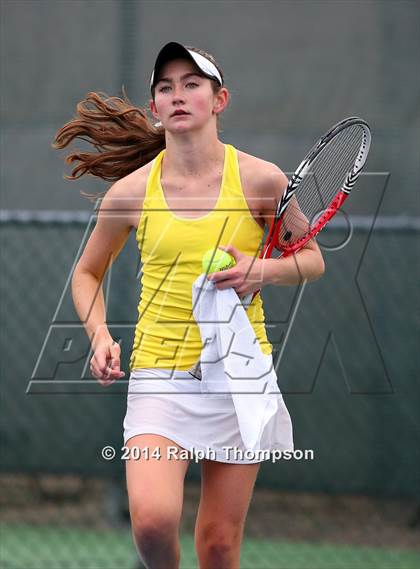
[[171, 250]]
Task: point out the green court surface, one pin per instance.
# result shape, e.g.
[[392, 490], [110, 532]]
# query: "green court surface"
[[42, 547]]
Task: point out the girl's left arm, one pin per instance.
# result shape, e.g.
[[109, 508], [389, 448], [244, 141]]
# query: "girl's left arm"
[[306, 264]]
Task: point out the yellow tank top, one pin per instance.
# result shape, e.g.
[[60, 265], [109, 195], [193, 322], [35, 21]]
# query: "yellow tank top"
[[171, 250]]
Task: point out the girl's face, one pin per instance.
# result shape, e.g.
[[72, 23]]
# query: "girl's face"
[[184, 100]]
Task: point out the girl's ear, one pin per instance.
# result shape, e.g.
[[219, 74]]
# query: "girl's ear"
[[221, 100], [153, 108]]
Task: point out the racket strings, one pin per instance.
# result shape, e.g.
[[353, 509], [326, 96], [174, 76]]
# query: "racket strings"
[[326, 176], [343, 155], [329, 171]]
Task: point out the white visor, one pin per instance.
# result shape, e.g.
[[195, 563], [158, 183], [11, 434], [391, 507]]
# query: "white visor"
[[174, 50]]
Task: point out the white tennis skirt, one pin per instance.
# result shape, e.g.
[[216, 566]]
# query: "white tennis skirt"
[[170, 403]]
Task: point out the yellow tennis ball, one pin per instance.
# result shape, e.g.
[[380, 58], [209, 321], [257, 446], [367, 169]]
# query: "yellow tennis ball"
[[218, 260]]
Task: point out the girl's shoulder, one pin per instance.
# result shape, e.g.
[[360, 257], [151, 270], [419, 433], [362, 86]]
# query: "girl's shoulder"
[[135, 182], [127, 194], [265, 177]]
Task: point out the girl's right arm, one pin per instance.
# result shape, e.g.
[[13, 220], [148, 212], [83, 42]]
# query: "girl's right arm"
[[112, 229]]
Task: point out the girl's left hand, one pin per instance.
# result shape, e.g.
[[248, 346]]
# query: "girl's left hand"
[[246, 277]]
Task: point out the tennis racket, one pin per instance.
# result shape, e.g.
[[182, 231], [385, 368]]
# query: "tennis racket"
[[315, 192]]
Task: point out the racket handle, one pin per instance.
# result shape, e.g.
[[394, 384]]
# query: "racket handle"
[[246, 301], [195, 370], [249, 298]]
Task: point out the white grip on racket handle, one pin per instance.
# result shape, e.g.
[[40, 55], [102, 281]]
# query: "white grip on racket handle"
[[246, 301]]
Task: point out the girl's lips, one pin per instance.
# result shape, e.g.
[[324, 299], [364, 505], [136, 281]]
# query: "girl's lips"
[[179, 114]]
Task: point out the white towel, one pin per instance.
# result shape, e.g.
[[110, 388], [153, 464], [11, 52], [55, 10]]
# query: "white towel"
[[232, 360]]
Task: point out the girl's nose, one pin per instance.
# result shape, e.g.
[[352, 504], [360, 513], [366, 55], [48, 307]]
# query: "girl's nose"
[[178, 94]]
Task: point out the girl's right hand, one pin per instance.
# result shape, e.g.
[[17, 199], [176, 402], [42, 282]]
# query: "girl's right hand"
[[105, 362]]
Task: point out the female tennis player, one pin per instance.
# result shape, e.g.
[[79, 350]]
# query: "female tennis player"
[[184, 192]]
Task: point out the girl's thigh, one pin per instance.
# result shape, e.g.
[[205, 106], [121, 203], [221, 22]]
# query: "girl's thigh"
[[155, 480], [226, 493]]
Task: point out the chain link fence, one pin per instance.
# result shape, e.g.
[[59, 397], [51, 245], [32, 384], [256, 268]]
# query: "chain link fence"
[[346, 355]]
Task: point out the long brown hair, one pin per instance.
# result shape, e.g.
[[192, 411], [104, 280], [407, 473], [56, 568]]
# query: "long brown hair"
[[124, 136]]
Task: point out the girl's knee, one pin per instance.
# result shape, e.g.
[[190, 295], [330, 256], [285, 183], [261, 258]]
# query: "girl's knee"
[[153, 528], [156, 539], [218, 541]]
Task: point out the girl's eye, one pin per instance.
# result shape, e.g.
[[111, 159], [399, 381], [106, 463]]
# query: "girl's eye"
[[167, 88]]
